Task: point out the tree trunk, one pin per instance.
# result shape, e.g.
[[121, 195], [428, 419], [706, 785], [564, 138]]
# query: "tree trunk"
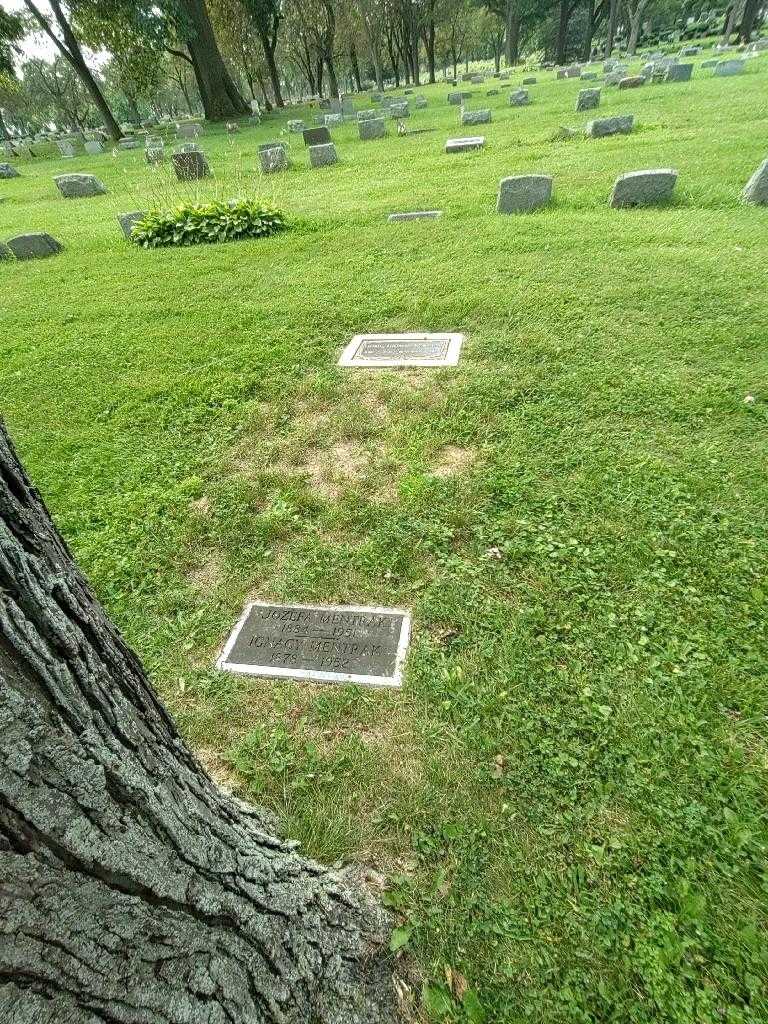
[[635, 18], [333, 82], [586, 52], [133, 888], [562, 31], [219, 94], [429, 46], [730, 23], [355, 68], [748, 20], [610, 30]]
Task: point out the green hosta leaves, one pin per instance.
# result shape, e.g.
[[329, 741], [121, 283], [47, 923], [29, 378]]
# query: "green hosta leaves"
[[400, 937], [193, 223]]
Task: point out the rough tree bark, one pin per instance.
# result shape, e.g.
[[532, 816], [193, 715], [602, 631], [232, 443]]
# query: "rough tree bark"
[[220, 96], [610, 29], [511, 33], [634, 16], [748, 18], [132, 889]]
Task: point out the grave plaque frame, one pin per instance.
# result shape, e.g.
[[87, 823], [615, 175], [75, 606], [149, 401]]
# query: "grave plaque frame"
[[324, 643], [417, 349]]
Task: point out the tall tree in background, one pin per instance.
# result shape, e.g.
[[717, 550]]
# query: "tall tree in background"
[[372, 13], [134, 889], [59, 30], [610, 29], [11, 32], [266, 16], [634, 12], [220, 96], [748, 18]]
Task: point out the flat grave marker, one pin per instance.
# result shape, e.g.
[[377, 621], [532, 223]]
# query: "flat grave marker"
[[329, 644], [380, 350]]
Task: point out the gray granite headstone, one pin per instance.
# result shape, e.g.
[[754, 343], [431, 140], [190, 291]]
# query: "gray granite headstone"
[[7, 171], [726, 68], [678, 73], [455, 98], [273, 159], [364, 645], [632, 82], [296, 127], [128, 142], [127, 220], [524, 192], [190, 165], [372, 128], [602, 127], [322, 156], [756, 189], [316, 136], [34, 247], [519, 98], [588, 99], [93, 147], [79, 186], [529, 81], [643, 188], [475, 116]]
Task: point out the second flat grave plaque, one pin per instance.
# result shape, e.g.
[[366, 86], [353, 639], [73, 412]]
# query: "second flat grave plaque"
[[328, 644], [402, 350]]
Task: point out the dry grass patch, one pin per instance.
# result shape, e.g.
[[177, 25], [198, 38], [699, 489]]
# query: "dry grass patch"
[[452, 461]]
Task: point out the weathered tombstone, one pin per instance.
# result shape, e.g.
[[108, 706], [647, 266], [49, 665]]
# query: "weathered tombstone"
[[66, 148], [725, 68], [574, 71], [372, 128], [690, 51], [678, 72], [333, 119], [128, 142], [93, 147], [154, 154], [519, 98], [296, 127], [190, 165], [588, 76], [398, 110], [379, 350], [188, 130], [420, 102], [366, 115], [476, 79], [34, 247], [643, 188], [322, 156], [316, 136], [524, 192], [462, 145], [756, 189], [273, 159], [7, 171], [475, 116], [605, 126], [79, 186], [492, 92], [529, 81], [455, 98], [588, 99], [331, 644], [633, 82], [127, 220], [5, 252], [415, 215], [709, 63], [504, 76]]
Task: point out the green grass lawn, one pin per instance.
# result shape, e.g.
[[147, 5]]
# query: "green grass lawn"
[[569, 794]]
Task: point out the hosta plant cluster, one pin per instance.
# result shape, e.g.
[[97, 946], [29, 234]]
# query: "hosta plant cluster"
[[216, 221]]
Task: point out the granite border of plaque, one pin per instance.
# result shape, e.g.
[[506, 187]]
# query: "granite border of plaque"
[[441, 350], [320, 650]]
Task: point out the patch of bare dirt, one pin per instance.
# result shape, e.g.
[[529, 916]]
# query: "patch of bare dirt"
[[452, 460]]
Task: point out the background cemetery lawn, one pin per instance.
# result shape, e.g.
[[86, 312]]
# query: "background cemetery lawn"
[[569, 794]]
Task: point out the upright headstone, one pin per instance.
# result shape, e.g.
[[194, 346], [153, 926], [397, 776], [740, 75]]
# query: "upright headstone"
[[66, 148], [7, 171], [333, 119], [475, 116], [127, 221], [296, 127], [322, 156], [643, 188], [633, 82], [316, 136], [588, 99], [190, 165], [34, 247], [273, 159], [93, 147], [79, 186], [678, 73], [725, 68], [529, 81], [188, 130], [756, 189], [519, 98], [372, 128], [524, 192]]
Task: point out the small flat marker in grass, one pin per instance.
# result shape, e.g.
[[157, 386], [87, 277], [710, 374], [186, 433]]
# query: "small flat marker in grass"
[[327, 644], [415, 215], [381, 350]]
